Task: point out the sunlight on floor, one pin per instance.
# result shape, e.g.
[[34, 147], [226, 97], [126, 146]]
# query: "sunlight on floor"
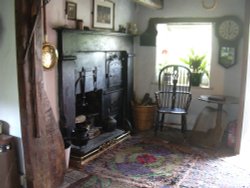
[[241, 160]]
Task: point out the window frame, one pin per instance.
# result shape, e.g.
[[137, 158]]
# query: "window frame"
[[148, 38], [188, 25]]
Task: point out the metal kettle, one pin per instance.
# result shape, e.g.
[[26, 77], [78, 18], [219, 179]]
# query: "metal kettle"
[[110, 124]]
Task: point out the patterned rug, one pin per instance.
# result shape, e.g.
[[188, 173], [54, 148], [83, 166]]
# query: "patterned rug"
[[152, 162]]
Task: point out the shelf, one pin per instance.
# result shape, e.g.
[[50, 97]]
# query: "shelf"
[[94, 32]]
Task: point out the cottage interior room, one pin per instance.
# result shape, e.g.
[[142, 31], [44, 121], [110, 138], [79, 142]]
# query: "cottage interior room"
[[19, 116]]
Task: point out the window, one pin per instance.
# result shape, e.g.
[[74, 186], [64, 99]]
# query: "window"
[[176, 40]]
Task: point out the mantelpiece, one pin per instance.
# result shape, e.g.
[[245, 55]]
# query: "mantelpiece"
[[93, 40], [106, 61]]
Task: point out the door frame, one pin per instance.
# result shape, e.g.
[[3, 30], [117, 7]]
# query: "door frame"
[[241, 123]]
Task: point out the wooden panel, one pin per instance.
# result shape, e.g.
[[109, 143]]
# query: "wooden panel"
[[92, 41], [42, 141]]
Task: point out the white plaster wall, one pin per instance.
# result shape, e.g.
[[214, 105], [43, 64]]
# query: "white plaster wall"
[[223, 81], [9, 102]]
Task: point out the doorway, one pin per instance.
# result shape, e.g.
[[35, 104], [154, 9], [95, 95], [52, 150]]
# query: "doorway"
[[243, 140], [243, 129]]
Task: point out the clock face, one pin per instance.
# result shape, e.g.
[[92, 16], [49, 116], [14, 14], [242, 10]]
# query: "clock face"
[[229, 30]]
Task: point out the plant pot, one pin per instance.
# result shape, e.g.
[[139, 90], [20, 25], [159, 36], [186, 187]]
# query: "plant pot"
[[196, 79]]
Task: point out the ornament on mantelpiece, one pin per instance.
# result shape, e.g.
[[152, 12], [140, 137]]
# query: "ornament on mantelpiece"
[[79, 24], [132, 28], [209, 4]]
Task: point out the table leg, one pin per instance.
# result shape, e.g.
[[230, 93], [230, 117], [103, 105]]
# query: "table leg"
[[219, 115], [219, 129]]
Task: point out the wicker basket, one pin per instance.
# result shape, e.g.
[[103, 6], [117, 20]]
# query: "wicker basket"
[[144, 116]]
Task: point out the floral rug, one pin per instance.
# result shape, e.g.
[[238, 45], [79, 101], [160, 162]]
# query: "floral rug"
[[144, 162]]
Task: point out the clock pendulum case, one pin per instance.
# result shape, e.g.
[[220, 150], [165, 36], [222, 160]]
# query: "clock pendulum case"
[[229, 32]]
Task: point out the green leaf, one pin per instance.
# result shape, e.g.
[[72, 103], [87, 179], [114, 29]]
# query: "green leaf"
[[197, 63]]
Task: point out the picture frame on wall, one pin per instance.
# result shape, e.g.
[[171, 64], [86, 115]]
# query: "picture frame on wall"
[[103, 14], [71, 10]]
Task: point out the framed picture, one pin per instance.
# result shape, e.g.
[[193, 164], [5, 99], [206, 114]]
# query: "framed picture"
[[71, 10], [103, 14]]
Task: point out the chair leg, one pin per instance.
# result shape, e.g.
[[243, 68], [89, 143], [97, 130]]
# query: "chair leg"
[[162, 121], [157, 122], [183, 123]]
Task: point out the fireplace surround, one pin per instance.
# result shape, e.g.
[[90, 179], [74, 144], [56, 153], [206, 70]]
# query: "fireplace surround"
[[95, 74]]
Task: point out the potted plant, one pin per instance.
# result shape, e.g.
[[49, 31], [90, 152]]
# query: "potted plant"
[[197, 64]]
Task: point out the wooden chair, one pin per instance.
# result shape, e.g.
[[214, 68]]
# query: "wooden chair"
[[174, 94]]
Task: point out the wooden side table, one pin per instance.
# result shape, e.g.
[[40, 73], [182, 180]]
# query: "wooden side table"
[[213, 136], [220, 100]]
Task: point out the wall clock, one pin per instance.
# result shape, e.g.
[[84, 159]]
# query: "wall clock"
[[229, 32]]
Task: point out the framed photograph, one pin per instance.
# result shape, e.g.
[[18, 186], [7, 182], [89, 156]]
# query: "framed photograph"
[[71, 10], [103, 16]]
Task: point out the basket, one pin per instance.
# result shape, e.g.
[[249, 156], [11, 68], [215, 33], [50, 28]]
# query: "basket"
[[144, 116]]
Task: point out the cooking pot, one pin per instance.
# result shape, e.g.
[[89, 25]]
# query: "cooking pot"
[[110, 124], [79, 136]]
